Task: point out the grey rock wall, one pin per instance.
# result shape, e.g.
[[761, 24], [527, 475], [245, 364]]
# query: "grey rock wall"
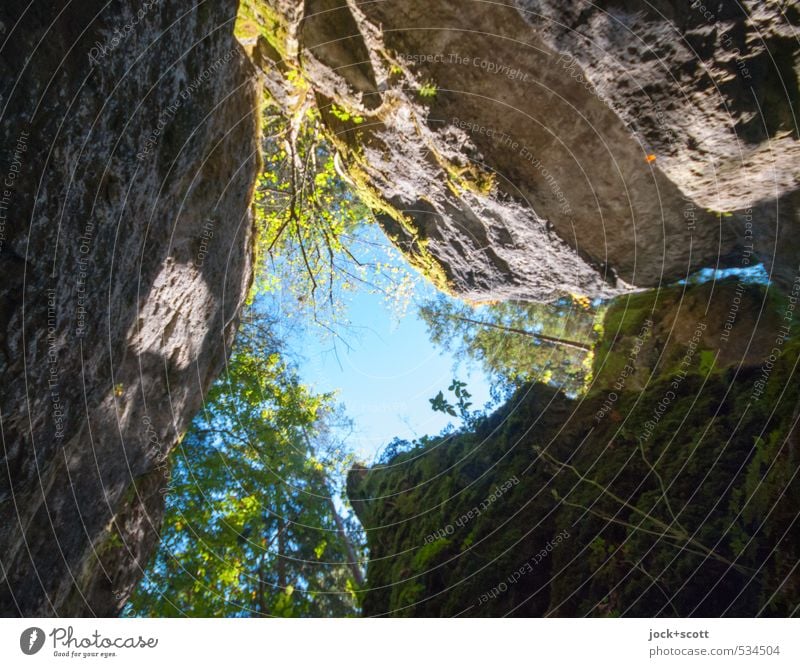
[[128, 153], [528, 149]]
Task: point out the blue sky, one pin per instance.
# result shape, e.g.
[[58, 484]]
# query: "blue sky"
[[748, 274], [388, 369], [386, 376]]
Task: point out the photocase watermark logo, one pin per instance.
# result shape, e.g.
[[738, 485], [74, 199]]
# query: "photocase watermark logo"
[[31, 640], [66, 643]]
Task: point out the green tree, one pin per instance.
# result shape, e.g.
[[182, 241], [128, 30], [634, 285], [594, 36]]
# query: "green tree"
[[311, 243], [255, 522], [519, 342]]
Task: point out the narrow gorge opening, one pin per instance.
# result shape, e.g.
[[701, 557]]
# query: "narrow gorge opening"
[[347, 357], [354, 380], [397, 308], [374, 440]]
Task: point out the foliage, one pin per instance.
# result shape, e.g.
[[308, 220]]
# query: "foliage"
[[428, 90], [344, 115], [440, 404], [310, 243], [256, 522], [462, 405], [258, 19], [519, 342], [252, 525]]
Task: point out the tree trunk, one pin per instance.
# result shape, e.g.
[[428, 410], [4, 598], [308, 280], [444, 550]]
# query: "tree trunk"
[[348, 544], [352, 556], [585, 347], [281, 566]]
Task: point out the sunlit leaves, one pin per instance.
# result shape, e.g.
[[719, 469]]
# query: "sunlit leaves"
[[311, 246], [251, 526]]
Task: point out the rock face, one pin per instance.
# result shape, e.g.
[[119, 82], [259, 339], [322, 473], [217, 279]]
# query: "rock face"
[[128, 157], [712, 90], [530, 149], [670, 489], [512, 151]]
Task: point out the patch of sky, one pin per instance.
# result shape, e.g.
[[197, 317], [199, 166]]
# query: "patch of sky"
[[756, 274], [382, 364]]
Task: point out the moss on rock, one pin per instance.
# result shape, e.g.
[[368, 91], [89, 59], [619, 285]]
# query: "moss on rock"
[[669, 494]]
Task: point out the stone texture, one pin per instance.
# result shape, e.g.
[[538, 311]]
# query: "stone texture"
[[126, 255], [580, 147], [711, 88], [542, 148]]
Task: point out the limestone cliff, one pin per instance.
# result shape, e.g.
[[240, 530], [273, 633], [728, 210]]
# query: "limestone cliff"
[[532, 148], [711, 89], [129, 149]]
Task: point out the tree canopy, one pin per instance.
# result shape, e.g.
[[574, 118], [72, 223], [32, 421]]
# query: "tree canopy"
[[255, 521], [309, 222], [519, 342]]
